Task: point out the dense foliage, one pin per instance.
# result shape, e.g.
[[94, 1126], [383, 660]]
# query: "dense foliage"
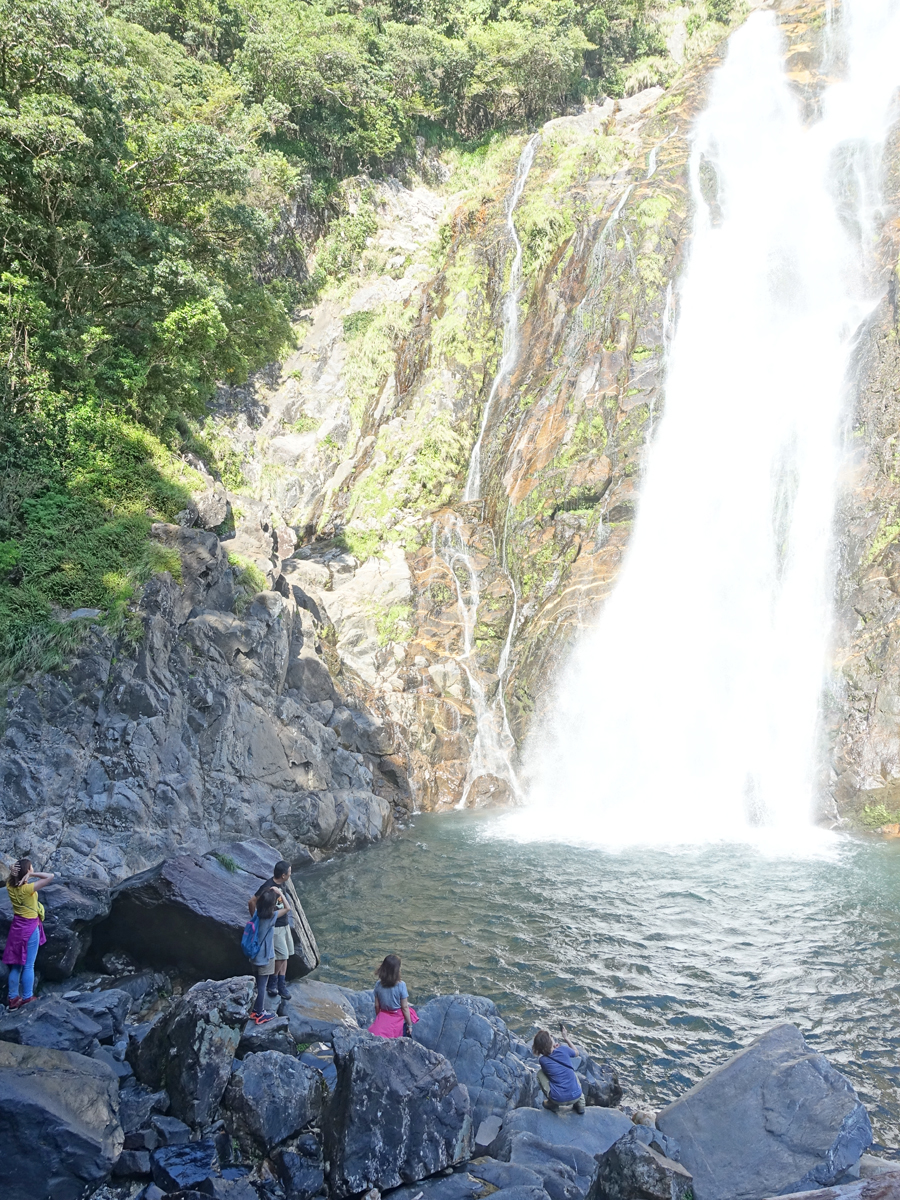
[[147, 154]]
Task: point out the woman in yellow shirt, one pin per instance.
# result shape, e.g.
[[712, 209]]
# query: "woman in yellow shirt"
[[26, 933]]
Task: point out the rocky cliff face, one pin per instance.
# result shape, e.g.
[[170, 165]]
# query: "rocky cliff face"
[[222, 723], [401, 652]]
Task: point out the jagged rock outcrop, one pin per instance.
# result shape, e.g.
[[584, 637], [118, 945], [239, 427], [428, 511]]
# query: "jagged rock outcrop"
[[59, 1128], [398, 1114], [190, 1050], [196, 736]]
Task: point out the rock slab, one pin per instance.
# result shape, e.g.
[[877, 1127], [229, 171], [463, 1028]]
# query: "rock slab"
[[190, 911], [593, 1131], [398, 1114], [64, 1106], [776, 1118], [469, 1031]]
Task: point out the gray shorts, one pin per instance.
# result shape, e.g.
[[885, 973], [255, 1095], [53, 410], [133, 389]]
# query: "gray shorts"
[[284, 942]]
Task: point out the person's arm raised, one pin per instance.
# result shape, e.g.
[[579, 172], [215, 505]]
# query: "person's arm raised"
[[40, 879]]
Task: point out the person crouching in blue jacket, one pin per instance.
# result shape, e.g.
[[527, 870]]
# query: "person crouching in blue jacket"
[[557, 1077]]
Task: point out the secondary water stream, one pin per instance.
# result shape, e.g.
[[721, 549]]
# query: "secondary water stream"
[[667, 962]]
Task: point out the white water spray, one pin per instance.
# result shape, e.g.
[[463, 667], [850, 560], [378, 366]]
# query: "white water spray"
[[690, 711], [510, 350]]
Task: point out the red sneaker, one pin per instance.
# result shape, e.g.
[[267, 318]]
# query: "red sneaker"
[[263, 1017], [25, 1000], [15, 1002]]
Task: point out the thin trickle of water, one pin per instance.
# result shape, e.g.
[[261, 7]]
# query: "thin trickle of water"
[[510, 351], [690, 711], [494, 746], [599, 251], [654, 155]]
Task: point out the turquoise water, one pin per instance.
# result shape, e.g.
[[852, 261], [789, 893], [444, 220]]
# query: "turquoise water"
[[665, 962]]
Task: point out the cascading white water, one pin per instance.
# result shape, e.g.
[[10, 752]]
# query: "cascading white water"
[[690, 711], [510, 350]]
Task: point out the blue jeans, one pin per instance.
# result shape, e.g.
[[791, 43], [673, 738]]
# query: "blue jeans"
[[25, 975]]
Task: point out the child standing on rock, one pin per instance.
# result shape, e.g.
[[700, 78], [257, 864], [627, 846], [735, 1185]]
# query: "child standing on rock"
[[557, 1077], [264, 959], [26, 934], [394, 1016]]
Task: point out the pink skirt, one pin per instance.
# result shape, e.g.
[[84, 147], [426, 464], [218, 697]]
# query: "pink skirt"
[[389, 1022], [20, 931]]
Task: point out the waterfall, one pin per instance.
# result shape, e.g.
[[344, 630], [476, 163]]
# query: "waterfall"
[[510, 349], [690, 711]]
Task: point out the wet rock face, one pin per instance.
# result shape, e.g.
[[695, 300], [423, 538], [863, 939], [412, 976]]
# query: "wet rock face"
[[59, 1130], [398, 1114], [776, 1118], [193, 738], [863, 702]]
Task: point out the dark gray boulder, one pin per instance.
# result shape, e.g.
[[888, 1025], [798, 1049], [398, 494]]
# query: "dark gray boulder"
[[398, 1114], [636, 1168], [274, 1035], [599, 1083], [271, 1097], [469, 1031], [776, 1118], [189, 913], [131, 1163], [594, 1131], [503, 1174], [183, 1167], [189, 1050], [51, 1023], [170, 1131], [315, 1010], [59, 1130], [136, 1105], [566, 1172], [300, 1168], [461, 1185], [109, 1009], [73, 908]]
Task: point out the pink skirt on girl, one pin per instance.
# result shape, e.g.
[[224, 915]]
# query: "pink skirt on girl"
[[389, 1022]]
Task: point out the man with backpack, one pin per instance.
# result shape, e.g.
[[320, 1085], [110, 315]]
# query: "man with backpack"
[[284, 941]]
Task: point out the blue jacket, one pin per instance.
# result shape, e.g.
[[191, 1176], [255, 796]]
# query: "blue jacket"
[[266, 942]]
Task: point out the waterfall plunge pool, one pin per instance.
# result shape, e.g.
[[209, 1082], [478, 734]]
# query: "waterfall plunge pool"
[[667, 962]]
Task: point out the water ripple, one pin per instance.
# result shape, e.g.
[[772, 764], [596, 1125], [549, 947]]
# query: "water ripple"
[[667, 963]]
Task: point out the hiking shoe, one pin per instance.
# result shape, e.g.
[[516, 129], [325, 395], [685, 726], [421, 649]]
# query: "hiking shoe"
[[273, 992], [283, 990], [551, 1106], [578, 1106], [15, 1002], [263, 1017], [25, 1000]]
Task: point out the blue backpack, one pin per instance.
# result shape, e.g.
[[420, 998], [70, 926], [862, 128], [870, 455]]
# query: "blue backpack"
[[250, 939]]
